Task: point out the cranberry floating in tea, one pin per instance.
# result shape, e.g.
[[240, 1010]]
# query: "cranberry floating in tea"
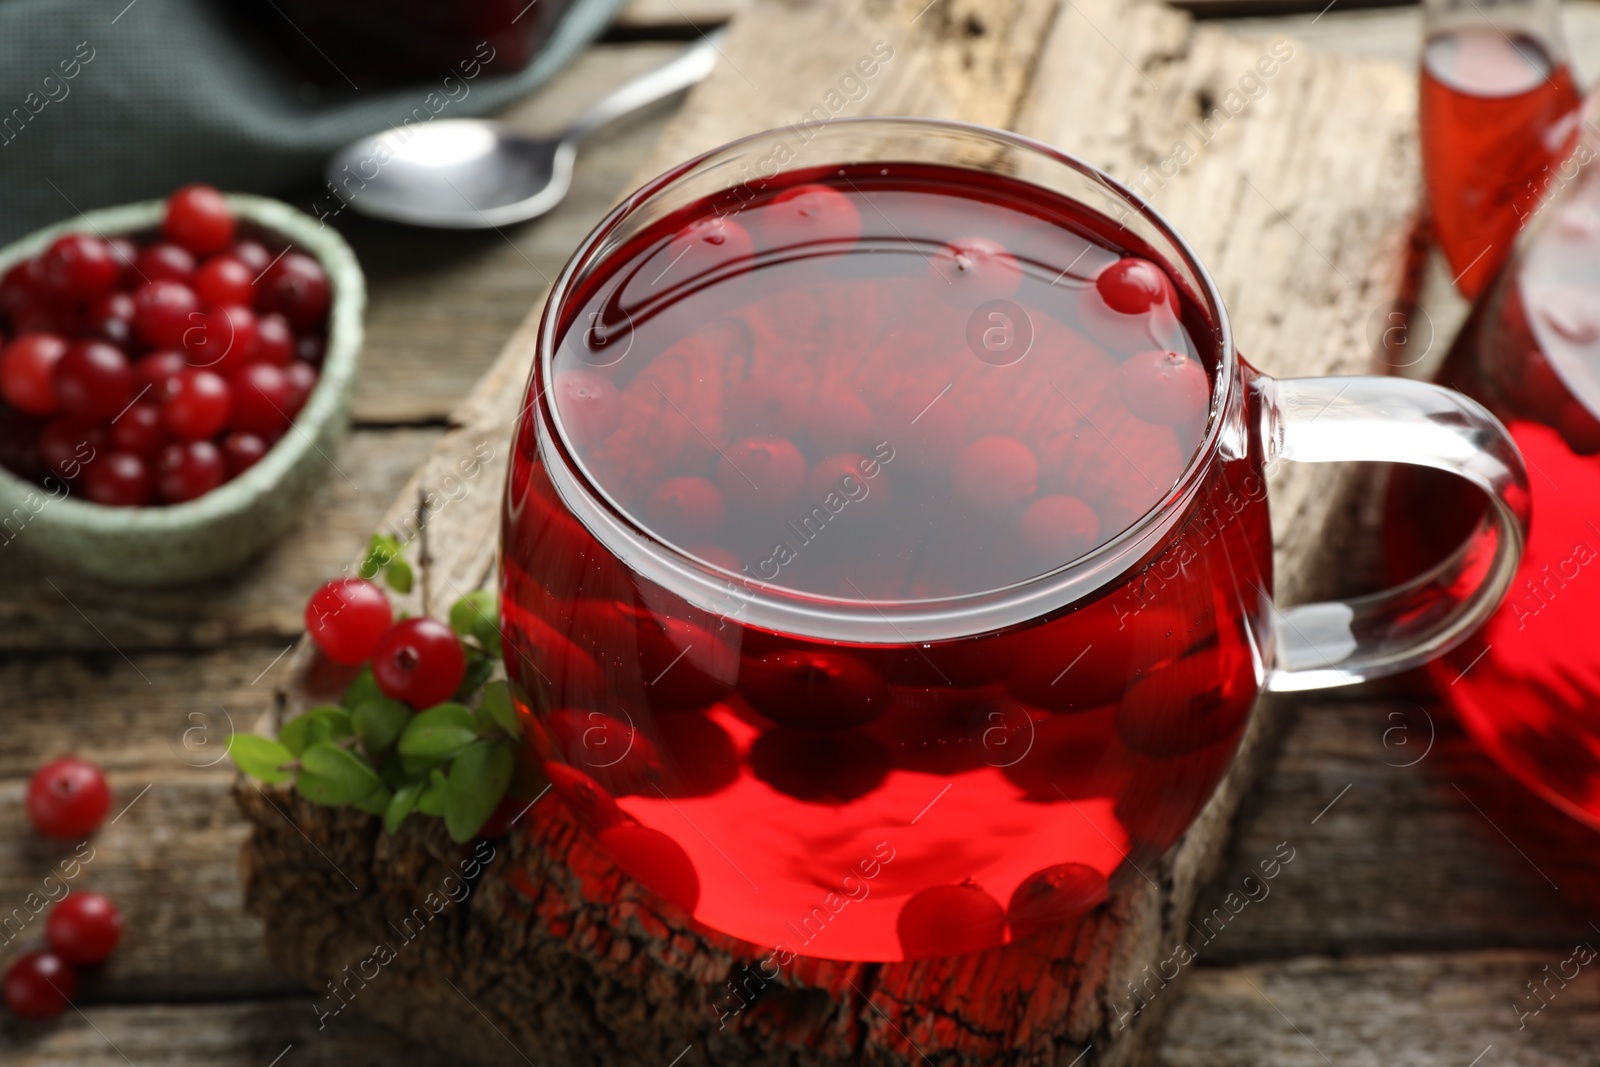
[[886, 566], [1497, 112], [1527, 685]]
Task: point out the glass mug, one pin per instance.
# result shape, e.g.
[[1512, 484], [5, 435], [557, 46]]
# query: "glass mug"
[[886, 566]]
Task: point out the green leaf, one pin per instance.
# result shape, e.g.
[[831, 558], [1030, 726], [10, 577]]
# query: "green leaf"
[[477, 615], [477, 784], [375, 802], [496, 704], [327, 724], [398, 575], [363, 689], [431, 801], [260, 758], [293, 734], [402, 803], [479, 668], [438, 733], [379, 723], [335, 776]]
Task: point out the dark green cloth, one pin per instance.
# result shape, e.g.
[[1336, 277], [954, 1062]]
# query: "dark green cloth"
[[165, 92]]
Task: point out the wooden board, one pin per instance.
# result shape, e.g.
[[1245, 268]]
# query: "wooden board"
[[1331, 221]]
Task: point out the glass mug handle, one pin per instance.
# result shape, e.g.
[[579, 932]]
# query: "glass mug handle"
[[1395, 420]]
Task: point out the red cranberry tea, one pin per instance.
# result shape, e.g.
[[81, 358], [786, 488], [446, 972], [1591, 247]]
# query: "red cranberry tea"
[[152, 371], [873, 390], [1496, 115], [1528, 685]]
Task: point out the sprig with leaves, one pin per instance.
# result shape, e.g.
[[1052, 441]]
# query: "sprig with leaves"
[[455, 760]]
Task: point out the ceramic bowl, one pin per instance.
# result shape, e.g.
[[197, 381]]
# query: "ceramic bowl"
[[214, 534]]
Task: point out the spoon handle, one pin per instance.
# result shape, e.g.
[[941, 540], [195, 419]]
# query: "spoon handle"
[[690, 66]]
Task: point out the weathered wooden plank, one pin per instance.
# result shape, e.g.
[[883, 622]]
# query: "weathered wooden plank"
[[643, 16], [1423, 1011], [254, 1034], [1331, 232], [169, 862], [1410, 856], [45, 609]]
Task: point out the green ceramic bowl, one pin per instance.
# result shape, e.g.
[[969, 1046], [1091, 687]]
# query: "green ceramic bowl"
[[216, 533]]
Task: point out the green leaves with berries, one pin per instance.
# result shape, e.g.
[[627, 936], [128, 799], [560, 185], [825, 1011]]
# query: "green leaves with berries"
[[454, 759]]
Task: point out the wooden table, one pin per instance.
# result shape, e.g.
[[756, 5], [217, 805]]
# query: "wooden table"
[[1426, 889]]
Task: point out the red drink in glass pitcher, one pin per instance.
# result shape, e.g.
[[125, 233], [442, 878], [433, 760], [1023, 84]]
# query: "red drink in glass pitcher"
[[1527, 686], [1496, 114], [886, 565]]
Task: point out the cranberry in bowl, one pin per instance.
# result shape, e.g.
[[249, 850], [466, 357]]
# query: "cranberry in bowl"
[[173, 376]]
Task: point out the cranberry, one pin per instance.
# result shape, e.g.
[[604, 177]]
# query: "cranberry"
[[807, 214], [1167, 388], [707, 243], [655, 861], [845, 476], [195, 404], [589, 404], [20, 288], [27, 372], [252, 254], [165, 263], [94, 381], [198, 218], [297, 287], [420, 662], [1059, 529], [39, 985], [994, 473], [973, 269], [765, 406], [163, 311], [126, 253], [78, 268], [765, 475], [274, 340], [819, 768], [686, 509], [1201, 700], [815, 689], [1134, 286], [154, 369], [222, 339], [84, 928], [224, 280], [347, 617], [1054, 897], [612, 750], [188, 470], [68, 446], [67, 798], [242, 451], [950, 920], [311, 348], [139, 431], [838, 421], [111, 319], [699, 758], [19, 444], [261, 395], [302, 379], [587, 799], [119, 479]]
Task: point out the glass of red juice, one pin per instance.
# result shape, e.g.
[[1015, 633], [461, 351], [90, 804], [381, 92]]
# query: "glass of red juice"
[[886, 564], [1527, 684], [1497, 113]]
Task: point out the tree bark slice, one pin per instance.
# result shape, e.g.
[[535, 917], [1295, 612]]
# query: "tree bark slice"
[[1298, 188]]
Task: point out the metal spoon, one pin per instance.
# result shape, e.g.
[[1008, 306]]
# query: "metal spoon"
[[472, 174]]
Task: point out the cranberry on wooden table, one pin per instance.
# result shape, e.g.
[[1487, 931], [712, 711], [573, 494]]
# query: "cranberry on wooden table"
[[84, 928], [39, 985], [67, 798]]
